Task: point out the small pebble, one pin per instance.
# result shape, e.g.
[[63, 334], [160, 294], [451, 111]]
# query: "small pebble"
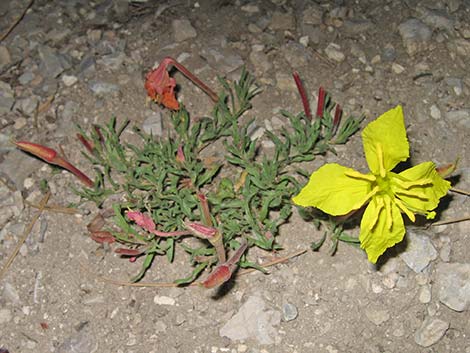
[[435, 112], [289, 312], [242, 348], [377, 316], [20, 123], [28, 183], [397, 68], [69, 80], [304, 41], [376, 288], [390, 280], [163, 300], [333, 51], [375, 60], [425, 294]]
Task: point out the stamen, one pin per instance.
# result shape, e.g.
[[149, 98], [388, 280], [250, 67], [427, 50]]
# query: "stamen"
[[356, 175], [406, 184], [374, 191], [405, 210], [419, 194]]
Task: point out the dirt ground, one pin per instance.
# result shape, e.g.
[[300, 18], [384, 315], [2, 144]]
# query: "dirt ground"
[[83, 62]]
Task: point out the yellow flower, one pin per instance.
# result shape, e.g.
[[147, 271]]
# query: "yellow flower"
[[338, 190]]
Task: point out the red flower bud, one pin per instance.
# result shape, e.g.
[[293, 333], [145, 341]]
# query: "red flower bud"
[[321, 102]]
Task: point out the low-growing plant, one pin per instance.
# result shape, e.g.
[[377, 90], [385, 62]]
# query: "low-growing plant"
[[208, 177]]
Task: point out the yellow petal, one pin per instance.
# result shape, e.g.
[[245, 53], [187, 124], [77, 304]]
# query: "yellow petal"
[[428, 187], [334, 192], [387, 133], [381, 227]]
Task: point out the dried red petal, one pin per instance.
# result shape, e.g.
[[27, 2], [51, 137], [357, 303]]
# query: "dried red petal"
[[142, 220], [201, 230], [102, 237]]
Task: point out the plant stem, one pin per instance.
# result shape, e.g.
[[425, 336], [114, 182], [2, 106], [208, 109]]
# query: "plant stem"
[[190, 76]]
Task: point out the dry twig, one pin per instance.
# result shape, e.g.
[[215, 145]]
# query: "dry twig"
[[448, 221], [26, 232], [15, 23]]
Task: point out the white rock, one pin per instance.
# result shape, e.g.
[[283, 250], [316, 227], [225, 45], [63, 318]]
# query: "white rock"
[[377, 316], [425, 294], [435, 112], [415, 35], [430, 332], [333, 51], [453, 283], [419, 251], [163, 300], [183, 30], [250, 8], [304, 40], [397, 68], [253, 320], [69, 80]]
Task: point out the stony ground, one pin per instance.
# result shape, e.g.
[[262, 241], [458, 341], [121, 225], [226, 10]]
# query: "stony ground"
[[77, 61]]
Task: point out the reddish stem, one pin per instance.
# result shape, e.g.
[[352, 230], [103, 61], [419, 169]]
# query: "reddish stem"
[[98, 132], [129, 252], [189, 75], [303, 95], [85, 142], [205, 209], [321, 102], [177, 233]]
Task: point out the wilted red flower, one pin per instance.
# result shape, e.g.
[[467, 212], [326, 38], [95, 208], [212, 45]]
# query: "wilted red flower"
[[201, 230], [161, 87], [51, 156], [142, 220], [223, 272], [148, 224]]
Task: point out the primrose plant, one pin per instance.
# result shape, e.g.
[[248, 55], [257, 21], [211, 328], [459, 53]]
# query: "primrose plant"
[[207, 179], [339, 190]]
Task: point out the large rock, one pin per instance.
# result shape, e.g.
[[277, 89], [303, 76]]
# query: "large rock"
[[453, 283], [52, 63], [430, 332], [183, 30], [254, 321], [418, 251], [6, 97], [415, 35]]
